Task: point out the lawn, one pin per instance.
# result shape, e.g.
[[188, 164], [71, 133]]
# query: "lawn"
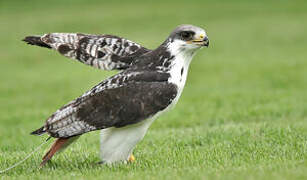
[[242, 115]]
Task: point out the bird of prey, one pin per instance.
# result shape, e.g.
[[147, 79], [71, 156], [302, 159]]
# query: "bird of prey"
[[123, 106]]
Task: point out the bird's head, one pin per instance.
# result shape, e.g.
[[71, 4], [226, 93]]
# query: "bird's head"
[[189, 37]]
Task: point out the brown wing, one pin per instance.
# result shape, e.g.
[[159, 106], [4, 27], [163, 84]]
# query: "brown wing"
[[105, 52], [108, 106]]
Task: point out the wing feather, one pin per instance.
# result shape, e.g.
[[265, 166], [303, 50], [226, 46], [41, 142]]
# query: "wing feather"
[[105, 52], [113, 103]]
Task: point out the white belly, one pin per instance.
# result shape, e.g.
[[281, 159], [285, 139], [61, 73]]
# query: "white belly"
[[117, 144]]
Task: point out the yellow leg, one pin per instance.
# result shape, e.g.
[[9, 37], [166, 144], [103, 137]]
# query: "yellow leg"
[[131, 158]]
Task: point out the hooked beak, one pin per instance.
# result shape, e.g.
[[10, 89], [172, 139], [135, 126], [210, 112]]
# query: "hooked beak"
[[203, 41]]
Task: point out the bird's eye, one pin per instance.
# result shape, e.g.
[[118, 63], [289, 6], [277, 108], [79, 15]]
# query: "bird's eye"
[[186, 35]]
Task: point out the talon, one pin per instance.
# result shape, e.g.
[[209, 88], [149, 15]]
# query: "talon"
[[131, 158]]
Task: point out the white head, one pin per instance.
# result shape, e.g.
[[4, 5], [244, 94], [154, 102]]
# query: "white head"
[[188, 37]]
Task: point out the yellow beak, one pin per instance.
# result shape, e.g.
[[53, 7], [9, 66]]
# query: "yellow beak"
[[201, 40]]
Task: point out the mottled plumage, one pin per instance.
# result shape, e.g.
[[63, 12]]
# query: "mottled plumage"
[[105, 52], [124, 105]]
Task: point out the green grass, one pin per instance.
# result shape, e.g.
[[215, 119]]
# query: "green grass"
[[242, 115]]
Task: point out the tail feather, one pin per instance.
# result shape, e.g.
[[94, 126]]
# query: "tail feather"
[[39, 131], [56, 146], [36, 40]]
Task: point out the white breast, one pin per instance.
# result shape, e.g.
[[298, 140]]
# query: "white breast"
[[179, 69], [117, 144]]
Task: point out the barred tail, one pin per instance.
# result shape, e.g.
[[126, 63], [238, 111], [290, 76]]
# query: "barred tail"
[[35, 40]]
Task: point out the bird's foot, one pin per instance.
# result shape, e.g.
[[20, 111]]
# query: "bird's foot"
[[131, 158]]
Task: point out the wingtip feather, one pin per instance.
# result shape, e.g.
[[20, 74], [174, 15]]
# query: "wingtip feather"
[[39, 131], [35, 40]]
